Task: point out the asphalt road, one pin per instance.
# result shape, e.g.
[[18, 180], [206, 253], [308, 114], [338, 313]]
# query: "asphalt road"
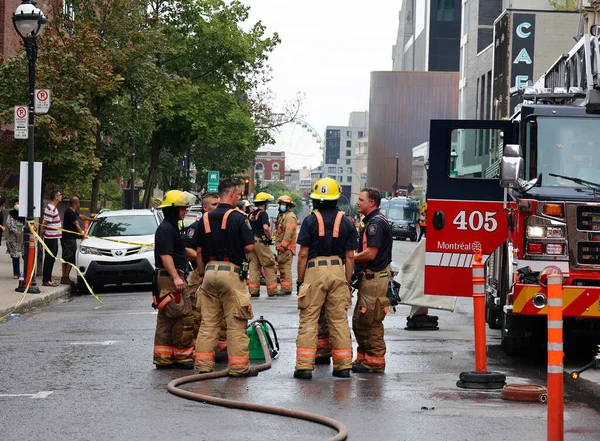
[[78, 370]]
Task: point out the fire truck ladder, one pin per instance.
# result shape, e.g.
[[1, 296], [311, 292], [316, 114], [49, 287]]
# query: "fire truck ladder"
[[573, 79]]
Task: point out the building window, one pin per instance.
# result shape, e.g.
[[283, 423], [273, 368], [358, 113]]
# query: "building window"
[[348, 161], [360, 134], [331, 169], [349, 179], [275, 176], [348, 134], [332, 177], [340, 169], [259, 166], [445, 10], [348, 152], [349, 170], [348, 144], [275, 166], [341, 179]]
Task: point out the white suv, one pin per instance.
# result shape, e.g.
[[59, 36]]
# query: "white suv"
[[104, 261]]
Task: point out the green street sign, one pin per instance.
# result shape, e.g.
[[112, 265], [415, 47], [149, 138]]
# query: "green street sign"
[[213, 181], [453, 174]]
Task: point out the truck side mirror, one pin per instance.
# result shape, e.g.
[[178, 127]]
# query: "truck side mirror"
[[511, 166]]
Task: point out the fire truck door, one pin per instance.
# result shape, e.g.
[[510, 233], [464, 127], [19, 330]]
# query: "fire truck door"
[[464, 200]]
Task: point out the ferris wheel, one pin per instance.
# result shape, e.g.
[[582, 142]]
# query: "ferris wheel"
[[301, 142]]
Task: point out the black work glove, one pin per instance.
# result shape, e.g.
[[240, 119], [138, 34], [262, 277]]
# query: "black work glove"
[[298, 285]]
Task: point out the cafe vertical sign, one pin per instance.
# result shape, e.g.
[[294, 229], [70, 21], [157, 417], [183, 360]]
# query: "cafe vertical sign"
[[523, 44]]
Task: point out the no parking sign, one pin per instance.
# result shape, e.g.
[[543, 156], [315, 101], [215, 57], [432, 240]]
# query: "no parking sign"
[[42, 100]]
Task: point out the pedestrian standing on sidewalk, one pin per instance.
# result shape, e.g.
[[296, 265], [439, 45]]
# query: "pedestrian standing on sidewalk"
[[2, 228], [68, 242], [372, 267], [51, 233], [13, 223]]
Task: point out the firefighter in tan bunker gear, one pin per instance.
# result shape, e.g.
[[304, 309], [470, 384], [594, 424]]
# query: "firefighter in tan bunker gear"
[[262, 256], [209, 203], [224, 237], [173, 339], [327, 243], [372, 268], [285, 242]]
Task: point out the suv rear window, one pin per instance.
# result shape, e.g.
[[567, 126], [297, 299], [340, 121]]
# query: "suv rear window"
[[115, 226]]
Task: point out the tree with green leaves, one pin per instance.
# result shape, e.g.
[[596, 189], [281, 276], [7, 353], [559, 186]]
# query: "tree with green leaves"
[[564, 5], [278, 189]]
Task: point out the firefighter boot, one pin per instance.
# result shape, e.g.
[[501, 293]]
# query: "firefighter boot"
[[303, 374]]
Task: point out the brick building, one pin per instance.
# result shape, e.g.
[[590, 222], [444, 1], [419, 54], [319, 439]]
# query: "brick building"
[[269, 166]]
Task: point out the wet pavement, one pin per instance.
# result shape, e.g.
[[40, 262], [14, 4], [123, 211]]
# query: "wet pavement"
[[78, 370]]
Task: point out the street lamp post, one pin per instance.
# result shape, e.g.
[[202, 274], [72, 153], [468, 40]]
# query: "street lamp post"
[[453, 156], [29, 22]]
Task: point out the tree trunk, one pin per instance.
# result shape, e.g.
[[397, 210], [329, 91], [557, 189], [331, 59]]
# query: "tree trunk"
[[96, 180], [157, 147], [95, 194]]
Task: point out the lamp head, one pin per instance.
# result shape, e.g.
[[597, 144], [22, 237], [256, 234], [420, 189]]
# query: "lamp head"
[[29, 20]]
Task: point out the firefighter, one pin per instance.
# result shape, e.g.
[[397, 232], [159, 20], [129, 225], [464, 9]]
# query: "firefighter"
[[263, 256], [209, 203], [422, 221], [224, 236], [285, 242], [173, 340], [327, 242], [372, 272]]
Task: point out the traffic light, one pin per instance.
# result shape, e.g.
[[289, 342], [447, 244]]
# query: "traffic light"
[[246, 188]]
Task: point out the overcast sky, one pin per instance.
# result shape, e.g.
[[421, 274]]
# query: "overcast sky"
[[328, 49]]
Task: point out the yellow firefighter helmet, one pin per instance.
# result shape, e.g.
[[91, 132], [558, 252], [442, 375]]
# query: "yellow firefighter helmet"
[[174, 198], [326, 189], [263, 197]]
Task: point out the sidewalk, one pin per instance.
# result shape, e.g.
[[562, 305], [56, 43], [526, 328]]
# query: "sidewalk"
[[9, 297]]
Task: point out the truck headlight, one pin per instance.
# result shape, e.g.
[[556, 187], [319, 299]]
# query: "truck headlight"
[[536, 231], [145, 250]]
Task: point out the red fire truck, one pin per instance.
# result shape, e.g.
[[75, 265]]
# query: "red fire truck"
[[526, 192]]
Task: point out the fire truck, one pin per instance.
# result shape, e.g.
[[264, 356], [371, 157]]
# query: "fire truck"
[[526, 193]]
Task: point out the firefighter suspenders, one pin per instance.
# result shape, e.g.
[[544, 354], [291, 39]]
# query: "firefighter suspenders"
[[207, 230], [336, 224]]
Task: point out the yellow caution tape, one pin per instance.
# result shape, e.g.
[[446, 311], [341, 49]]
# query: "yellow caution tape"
[[83, 235], [32, 229]]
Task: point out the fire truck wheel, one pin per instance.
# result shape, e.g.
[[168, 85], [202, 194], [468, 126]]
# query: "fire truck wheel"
[[513, 343]]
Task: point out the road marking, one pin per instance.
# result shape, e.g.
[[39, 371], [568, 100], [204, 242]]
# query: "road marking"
[[99, 343], [41, 394], [143, 313]]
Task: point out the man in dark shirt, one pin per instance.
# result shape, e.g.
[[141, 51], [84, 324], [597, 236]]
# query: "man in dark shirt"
[[173, 340], [327, 242], [210, 201], [68, 241], [262, 256], [373, 264], [224, 239]]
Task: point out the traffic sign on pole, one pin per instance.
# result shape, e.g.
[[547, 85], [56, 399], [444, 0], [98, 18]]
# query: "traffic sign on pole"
[[21, 117], [213, 181], [41, 101]]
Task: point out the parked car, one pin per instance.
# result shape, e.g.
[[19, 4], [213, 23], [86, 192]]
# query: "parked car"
[[103, 261]]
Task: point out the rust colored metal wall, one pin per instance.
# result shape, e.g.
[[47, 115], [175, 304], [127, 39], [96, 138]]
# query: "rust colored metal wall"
[[401, 106]]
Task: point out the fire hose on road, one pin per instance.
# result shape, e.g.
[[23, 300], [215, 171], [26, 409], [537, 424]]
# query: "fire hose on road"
[[173, 387]]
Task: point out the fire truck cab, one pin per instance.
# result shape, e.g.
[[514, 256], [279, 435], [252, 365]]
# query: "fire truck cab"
[[526, 193]]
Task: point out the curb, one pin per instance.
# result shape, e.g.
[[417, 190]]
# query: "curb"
[[39, 301]]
